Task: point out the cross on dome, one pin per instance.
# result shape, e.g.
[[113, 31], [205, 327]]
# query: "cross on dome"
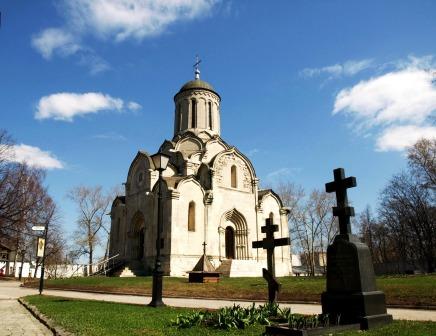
[[196, 67]]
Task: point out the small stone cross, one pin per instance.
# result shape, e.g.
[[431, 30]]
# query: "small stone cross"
[[269, 243], [204, 248], [342, 210]]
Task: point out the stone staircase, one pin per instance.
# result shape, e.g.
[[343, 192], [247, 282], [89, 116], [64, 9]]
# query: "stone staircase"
[[244, 268], [132, 269], [225, 267]]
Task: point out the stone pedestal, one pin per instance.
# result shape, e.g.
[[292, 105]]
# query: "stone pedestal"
[[351, 288], [204, 271]]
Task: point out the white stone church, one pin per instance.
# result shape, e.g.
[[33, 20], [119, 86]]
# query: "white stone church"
[[211, 195]]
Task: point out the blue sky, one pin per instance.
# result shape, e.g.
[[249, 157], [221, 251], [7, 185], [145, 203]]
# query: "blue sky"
[[306, 86]]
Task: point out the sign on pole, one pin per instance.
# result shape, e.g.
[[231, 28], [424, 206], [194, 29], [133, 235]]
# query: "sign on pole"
[[40, 247], [38, 228]]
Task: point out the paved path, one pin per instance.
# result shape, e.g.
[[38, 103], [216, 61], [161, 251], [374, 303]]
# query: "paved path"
[[13, 289], [15, 319]]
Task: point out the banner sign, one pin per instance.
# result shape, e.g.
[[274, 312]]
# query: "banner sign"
[[40, 247]]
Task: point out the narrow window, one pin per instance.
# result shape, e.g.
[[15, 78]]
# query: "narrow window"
[[234, 181], [193, 113], [179, 117], [271, 216], [191, 216], [210, 114]]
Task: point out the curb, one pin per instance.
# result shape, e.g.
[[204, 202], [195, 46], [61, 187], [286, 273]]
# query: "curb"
[[394, 306], [58, 331]]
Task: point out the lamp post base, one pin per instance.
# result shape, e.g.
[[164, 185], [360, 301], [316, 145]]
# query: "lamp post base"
[[156, 300]]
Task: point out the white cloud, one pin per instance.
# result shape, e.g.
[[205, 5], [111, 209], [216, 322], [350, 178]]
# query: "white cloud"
[[35, 157], [123, 19], [53, 40], [406, 95], [134, 106], [398, 138], [116, 20], [397, 105], [348, 68], [282, 173], [110, 136], [65, 106], [96, 64], [60, 42], [252, 152]]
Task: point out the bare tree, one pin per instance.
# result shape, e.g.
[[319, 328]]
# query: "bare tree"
[[422, 161], [24, 202], [312, 226], [92, 204], [408, 210], [377, 236]]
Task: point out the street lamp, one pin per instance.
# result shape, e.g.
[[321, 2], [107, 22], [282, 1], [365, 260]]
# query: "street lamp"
[[160, 162]]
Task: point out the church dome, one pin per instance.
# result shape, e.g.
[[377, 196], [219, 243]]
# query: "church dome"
[[197, 84], [197, 107]]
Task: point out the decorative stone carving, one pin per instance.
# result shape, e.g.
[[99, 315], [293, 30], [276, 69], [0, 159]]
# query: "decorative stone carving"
[[226, 161], [197, 93], [208, 198]]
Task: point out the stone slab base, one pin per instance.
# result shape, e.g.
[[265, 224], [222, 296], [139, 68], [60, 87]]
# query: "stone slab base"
[[370, 322], [204, 277], [368, 308]]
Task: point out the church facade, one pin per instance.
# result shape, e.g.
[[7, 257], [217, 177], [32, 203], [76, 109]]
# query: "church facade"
[[211, 195]]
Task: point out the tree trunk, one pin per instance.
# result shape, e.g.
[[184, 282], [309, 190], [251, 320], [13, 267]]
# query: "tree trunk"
[[90, 259], [36, 267], [22, 266]]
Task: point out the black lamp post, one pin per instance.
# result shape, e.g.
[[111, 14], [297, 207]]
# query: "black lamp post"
[[41, 278], [160, 164]]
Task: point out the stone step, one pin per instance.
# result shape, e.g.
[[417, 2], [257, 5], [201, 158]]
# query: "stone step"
[[225, 267], [132, 269], [125, 273], [246, 268]]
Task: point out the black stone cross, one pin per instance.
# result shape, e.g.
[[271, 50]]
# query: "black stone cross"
[[269, 243], [204, 248], [342, 210]]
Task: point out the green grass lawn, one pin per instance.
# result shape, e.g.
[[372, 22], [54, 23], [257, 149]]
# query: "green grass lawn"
[[83, 317], [416, 290]]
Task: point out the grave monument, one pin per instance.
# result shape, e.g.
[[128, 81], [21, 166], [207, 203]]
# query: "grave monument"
[[269, 243], [351, 292]]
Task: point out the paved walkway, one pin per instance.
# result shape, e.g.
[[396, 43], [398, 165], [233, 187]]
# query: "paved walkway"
[[15, 291], [15, 319]]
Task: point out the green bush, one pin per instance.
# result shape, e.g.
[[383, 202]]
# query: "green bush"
[[235, 317]]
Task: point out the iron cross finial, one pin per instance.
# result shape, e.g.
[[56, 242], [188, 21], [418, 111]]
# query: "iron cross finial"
[[196, 67]]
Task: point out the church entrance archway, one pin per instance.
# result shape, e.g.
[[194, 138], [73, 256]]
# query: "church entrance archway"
[[138, 224], [230, 242], [233, 236]]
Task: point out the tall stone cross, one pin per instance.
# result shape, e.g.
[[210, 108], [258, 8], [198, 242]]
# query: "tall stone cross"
[[342, 210], [269, 243]]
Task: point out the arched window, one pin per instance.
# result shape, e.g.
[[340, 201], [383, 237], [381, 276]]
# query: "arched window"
[[209, 105], [191, 216], [271, 216], [233, 177], [193, 113]]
